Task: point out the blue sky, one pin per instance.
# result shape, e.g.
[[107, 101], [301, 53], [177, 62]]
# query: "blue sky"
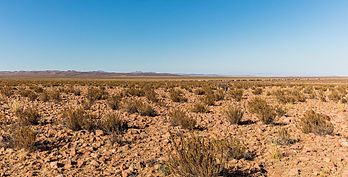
[[234, 37]]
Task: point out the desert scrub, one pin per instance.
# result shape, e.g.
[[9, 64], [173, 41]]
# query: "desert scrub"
[[237, 94], [289, 96], [27, 115], [257, 91], [232, 148], [24, 137], [151, 95], [54, 95], [136, 106], [177, 96], [195, 156], [199, 91], [179, 118], [96, 93], [234, 114], [114, 102], [316, 123], [7, 91], [262, 109], [78, 119], [283, 137], [200, 108], [134, 92], [112, 123]]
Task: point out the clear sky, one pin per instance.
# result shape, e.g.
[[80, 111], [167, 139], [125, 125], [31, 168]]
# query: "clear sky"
[[234, 37]]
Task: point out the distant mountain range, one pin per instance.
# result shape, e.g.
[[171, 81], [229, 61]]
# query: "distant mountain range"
[[88, 74]]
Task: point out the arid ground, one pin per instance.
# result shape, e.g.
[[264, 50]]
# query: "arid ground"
[[174, 127]]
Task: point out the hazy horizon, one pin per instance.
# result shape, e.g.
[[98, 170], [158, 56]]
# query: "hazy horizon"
[[241, 37]]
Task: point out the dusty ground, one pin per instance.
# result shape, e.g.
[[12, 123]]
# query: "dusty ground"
[[64, 152]]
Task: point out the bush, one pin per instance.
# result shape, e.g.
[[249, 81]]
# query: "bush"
[[237, 94], [54, 95], [114, 102], [200, 108], [257, 91], [177, 96], [7, 91], [262, 109], [28, 116], [232, 148], [316, 123], [24, 138], [195, 156], [199, 91], [234, 114], [283, 137], [79, 119], [94, 94], [135, 106], [179, 118], [112, 123], [151, 95], [134, 92]]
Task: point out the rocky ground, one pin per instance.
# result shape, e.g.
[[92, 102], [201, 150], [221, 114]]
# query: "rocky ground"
[[145, 147]]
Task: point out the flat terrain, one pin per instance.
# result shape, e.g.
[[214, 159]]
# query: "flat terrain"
[[61, 127]]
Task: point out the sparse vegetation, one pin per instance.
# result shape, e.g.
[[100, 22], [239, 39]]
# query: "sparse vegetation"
[[262, 109], [24, 137], [177, 96], [316, 123], [234, 114], [27, 115], [200, 108], [179, 118]]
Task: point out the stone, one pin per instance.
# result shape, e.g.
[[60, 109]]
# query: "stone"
[[99, 133]]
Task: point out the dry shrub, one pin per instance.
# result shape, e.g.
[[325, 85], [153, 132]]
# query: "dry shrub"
[[134, 92], [136, 106], [114, 102], [316, 123], [257, 91], [234, 114], [24, 138], [44, 97], [237, 94], [195, 157], [335, 96], [54, 95], [262, 109], [177, 96], [79, 119], [232, 148], [113, 123], [209, 100], [179, 118], [283, 137], [28, 93], [96, 93], [7, 91], [200, 108], [151, 95], [280, 111], [289, 96], [199, 91], [27, 115]]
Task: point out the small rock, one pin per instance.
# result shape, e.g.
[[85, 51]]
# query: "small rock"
[[54, 165], [344, 143], [80, 163], [99, 132]]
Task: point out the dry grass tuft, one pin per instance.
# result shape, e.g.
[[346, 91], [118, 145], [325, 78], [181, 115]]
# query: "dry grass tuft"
[[24, 138], [27, 115], [262, 109], [179, 118], [316, 123], [200, 108], [177, 96], [234, 114]]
